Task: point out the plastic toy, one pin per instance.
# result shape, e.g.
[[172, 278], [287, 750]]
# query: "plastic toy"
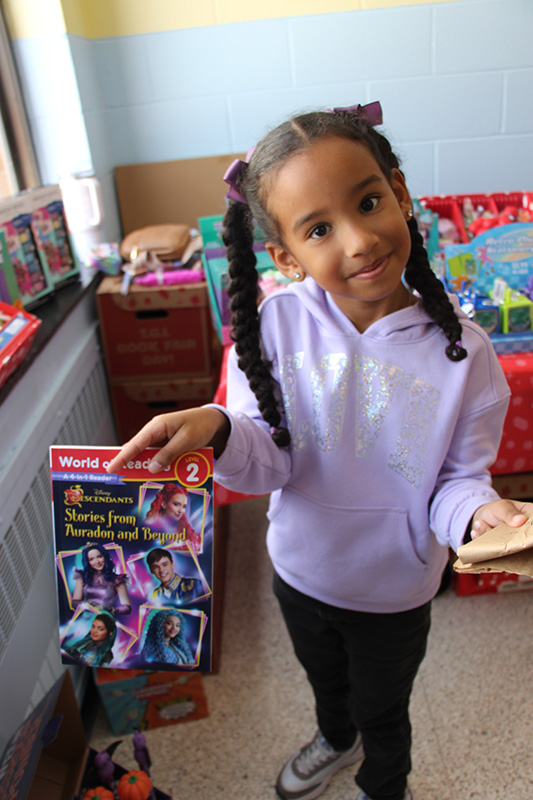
[[483, 310], [134, 785], [509, 215], [516, 310], [141, 752], [98, 793], [103, 762]]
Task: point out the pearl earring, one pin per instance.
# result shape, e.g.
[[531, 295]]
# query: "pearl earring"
[[296, 276], [409, 213]]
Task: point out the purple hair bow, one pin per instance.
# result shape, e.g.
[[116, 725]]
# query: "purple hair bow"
[[232, 176], [372, 112]]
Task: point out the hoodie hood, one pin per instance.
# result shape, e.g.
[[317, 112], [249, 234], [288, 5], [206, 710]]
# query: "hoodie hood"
[[412, 323]]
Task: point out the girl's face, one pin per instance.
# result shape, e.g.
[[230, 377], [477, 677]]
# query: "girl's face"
[[99, 631], [96, 560], [345, 225], [175, 508], [171, 627]]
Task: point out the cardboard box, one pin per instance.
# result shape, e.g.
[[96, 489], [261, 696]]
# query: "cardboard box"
[[171, 191], [48, 757], [136, 402], [136, 699], [163, 332], [34, 769]]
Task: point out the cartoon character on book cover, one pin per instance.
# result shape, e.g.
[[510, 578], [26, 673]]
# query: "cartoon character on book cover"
[[134, 557]]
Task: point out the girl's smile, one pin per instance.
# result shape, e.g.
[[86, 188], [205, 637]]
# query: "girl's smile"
[[345, 225]]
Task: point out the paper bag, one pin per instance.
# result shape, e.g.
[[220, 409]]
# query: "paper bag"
[[502, 549]]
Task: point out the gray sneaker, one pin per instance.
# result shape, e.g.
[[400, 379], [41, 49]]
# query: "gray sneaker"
[[307, 773]]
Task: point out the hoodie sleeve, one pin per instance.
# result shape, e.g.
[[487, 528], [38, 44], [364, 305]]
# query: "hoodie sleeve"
[[251, 463], [464, 482]]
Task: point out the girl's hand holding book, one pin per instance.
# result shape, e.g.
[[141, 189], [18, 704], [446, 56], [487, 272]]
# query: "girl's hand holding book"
[[175, 433]]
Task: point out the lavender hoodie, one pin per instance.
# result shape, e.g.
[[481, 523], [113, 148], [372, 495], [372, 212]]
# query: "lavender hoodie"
[[390, 454]]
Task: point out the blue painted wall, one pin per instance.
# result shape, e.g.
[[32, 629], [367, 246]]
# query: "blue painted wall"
[[455, 80]]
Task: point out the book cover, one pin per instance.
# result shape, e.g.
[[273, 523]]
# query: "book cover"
[[134, 559]]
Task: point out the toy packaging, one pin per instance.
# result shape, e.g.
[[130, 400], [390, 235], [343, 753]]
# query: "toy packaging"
[[50, 231], [216, 267], [17, 332], [134, 699], [504, 252], [134, 558], [492, 277], [41, 255], [29, 268], [9, 290]]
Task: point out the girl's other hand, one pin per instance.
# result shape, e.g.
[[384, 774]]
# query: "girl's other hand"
[[512, 512], [176, 433]]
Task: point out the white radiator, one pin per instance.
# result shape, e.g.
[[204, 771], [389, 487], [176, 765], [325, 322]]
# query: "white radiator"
[[61, 399]]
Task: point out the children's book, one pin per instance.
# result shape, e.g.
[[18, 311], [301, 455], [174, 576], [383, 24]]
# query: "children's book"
[[134, 559]]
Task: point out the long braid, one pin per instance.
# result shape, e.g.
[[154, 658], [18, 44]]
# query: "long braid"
[[435, 301], [243, 291]]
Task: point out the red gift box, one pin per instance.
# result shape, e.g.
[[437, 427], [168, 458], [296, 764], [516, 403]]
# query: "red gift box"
[[516, 450], [490, 583], [16, 335]]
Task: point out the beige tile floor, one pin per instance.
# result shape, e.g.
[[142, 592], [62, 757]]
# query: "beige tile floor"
[[472, 706]]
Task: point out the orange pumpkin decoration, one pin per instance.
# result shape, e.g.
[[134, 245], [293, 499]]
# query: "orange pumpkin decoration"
[[99, 793], [134, 785]]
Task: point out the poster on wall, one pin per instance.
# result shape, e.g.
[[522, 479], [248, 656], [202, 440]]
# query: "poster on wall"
[[134, 559]]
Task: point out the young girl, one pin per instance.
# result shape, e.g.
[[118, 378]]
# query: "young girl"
[[97, 582], [371, 408], [167, 514]]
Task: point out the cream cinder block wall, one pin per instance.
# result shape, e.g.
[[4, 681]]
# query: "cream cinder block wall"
[[97, 19], [113, 82]]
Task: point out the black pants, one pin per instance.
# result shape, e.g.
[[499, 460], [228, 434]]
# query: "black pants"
[[361, 667]]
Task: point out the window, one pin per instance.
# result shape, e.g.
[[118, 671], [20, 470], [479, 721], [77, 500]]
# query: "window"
[[18, 167]]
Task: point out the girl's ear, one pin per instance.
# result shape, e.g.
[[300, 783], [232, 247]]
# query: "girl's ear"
[[399, 187], [283, 260]]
